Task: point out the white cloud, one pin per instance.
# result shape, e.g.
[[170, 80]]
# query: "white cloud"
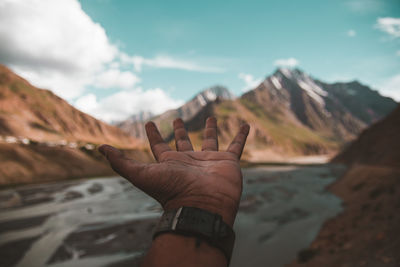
[[249, 80], [389, 25], [66, 86], [351, 33], [122, 104], [286, 62], [115, 78], [54, 44], [398, 53], [164, 61], [87, 103], [391, 87]]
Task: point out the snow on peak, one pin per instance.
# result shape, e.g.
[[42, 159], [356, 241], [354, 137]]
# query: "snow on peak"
[[304, 81], [287, 72], [210, 95], [201, 100], [312, 89], [214, 92], [275, 81]]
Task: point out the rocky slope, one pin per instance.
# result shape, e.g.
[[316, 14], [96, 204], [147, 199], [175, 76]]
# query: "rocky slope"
[[40, 115], [339, 110], [377, 145], [367, 232], [44, 138], [291, 114]]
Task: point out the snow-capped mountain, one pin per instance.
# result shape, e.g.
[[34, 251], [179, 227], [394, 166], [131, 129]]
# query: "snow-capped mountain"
[[290, 113], [212, 94], [341, 109], [141, 116], [135, 126]]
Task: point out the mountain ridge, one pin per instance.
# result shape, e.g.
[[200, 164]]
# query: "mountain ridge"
[[290, 112], [186, 112]]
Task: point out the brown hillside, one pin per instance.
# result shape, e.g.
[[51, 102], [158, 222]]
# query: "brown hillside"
[[367, 232], [272, 136], [37, 163], [377, 145], [269, 137], [37, 114], [44, 138]]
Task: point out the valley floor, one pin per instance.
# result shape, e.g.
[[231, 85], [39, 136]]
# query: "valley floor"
[[23, 161], [108, 222], [367, 232]]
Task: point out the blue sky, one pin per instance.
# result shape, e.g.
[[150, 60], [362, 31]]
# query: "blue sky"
[[248, 36], [161, 53]]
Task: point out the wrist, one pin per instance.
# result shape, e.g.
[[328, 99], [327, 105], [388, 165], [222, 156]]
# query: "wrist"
[[198, 223]]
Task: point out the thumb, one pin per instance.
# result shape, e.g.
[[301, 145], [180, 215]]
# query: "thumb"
[[127, 168], [109, 151]]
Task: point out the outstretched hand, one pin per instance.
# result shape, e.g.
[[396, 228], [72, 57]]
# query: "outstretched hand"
[[207, 179]]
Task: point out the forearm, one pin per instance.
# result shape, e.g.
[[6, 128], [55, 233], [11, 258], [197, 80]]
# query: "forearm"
[[178, 250], [199, 237]]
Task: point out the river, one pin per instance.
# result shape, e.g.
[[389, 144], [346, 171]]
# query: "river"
[[108, 222]]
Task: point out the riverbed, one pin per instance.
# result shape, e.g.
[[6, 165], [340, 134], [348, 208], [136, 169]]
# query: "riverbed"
[[108, 222]]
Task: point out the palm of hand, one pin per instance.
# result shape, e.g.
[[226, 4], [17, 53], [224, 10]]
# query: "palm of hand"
[[205, 179], [191, 177]]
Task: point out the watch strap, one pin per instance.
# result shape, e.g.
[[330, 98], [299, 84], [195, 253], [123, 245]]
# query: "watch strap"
[[200, 223]]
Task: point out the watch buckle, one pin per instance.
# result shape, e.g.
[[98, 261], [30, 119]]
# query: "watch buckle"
[[176, 217]]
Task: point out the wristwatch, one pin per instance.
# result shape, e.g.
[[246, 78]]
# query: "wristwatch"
[[200, 223]]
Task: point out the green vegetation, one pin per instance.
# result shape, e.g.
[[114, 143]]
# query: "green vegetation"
[[226, 108], [15, 88], [166, 128], [253, 107]]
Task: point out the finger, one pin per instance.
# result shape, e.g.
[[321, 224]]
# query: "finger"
[[239, 141], [210, 140], [125, 167], [157, 144], [182, 140]]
